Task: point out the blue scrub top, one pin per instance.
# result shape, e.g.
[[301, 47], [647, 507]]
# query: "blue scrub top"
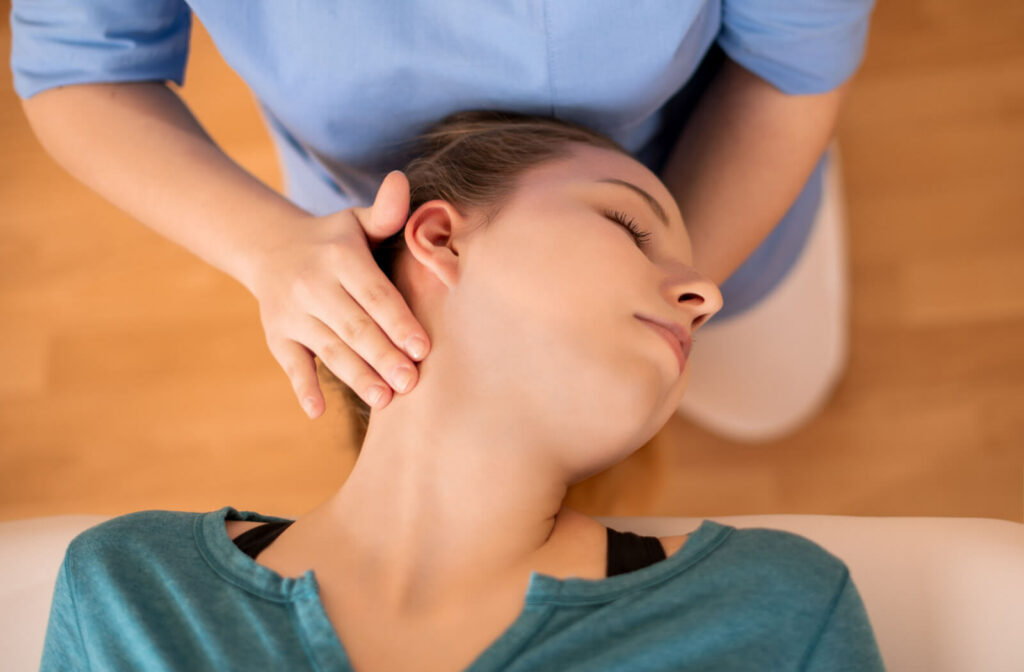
[[345, 87], [169, 590]]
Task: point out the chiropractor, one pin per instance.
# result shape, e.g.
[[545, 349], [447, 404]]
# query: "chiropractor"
[[731, 103]]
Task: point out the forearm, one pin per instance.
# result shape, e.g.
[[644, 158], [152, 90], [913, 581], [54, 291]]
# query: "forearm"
[[138, 145], [741, 161]]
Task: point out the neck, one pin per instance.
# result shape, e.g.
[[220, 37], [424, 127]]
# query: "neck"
[[450, 490]]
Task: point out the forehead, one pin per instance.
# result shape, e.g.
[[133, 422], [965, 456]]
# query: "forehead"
[[588, 162], [579, 172]]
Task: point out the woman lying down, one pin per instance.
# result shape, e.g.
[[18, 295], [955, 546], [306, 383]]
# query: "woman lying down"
[[537, 255]]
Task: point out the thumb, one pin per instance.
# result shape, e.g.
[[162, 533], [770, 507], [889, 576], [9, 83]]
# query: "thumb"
[[390, 208]]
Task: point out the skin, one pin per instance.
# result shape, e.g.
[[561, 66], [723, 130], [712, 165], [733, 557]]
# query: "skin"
[[539, 376]]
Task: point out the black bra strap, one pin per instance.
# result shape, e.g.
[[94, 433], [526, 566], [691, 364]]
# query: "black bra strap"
[[629, 552], [255, 540]]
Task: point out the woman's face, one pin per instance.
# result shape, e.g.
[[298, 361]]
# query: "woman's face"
[[541, 304]]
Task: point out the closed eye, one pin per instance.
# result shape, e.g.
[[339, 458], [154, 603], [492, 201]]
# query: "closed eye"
[[640, 237]]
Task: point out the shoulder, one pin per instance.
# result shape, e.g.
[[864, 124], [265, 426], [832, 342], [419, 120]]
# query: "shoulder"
[[787, 561], [136, 524], [117, 539], [139, 558], [783, 543]]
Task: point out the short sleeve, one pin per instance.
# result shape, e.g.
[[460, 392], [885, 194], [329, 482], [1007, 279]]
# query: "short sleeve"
[[60, 42], [63, 647], [801, 46], [846, 642]]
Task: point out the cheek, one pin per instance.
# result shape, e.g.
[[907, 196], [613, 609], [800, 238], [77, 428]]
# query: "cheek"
[[561, 299], [579, 288], [563, 336]]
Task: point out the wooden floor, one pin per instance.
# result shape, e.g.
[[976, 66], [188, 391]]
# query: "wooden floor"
[[134, 376]]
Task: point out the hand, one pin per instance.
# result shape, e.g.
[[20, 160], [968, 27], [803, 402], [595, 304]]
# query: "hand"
[[321, 292]]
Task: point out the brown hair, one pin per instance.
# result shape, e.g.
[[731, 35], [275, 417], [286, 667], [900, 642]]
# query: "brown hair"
[[472, 159]]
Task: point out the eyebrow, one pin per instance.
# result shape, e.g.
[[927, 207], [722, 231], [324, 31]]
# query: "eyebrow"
[[650, 200]]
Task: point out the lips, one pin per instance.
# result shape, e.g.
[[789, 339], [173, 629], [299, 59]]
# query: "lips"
[[680, 345]]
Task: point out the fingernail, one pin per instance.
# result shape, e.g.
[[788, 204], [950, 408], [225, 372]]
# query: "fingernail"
[[375, 395], [309, 405], [416, 347], [401, 378]]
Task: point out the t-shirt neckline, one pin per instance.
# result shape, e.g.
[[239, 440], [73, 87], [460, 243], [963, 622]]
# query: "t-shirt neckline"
[[235, 566]]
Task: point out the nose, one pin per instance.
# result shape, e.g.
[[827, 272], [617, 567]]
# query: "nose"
[[699, 299]]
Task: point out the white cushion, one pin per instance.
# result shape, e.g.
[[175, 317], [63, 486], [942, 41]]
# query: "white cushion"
[[31, 552]]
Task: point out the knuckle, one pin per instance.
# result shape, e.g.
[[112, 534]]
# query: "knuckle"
[[332, 351], [338, 250], [344, 241], [377, 293], [354, 326]]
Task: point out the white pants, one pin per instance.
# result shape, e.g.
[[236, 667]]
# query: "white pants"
[[763, 373]]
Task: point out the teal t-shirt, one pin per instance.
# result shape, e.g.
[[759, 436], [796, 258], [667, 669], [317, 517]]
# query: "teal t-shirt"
[[169, 590]]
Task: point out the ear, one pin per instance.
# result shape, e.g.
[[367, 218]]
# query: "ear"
[[432, 236]]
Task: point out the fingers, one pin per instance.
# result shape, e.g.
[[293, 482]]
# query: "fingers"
[[300, 367], [361, 356], [364, 283], [356, 327], [366, 332]]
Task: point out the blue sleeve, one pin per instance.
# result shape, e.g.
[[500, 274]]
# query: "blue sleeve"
[[60, 42], [798, 46], [846, 642], [63, 647]]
